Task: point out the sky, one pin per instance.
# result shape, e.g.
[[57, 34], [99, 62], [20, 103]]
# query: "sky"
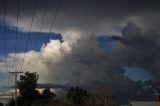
[[83, 43]]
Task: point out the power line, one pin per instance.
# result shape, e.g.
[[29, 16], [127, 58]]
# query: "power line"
[[15, 72], [5, 39], [37, 38], [4, 45], [5, 52], [57, 10], [15, 46], [34, 11]]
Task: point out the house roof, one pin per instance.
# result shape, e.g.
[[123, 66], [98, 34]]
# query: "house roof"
[[139, 103]]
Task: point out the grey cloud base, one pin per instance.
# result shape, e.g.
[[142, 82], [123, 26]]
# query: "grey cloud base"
[[89, 65]]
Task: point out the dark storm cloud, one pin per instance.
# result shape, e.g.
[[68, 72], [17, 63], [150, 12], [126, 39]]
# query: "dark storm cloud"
[[54, 86], [141, 48], [85, 61], [102, 16], [88, 65]]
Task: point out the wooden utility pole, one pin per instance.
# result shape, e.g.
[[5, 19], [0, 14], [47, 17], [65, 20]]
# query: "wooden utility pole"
[[105, 100], [15, 73]]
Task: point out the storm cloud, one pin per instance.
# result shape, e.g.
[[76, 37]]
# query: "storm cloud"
[[85, 62], [78, 58], [103, 17]]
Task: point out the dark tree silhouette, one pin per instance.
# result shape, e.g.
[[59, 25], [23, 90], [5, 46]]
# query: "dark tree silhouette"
[[27, 88], [48, 94], [77, 96], [1, 104]]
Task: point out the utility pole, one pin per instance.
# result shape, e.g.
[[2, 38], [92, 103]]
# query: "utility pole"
[[105, 100], [15, 73]]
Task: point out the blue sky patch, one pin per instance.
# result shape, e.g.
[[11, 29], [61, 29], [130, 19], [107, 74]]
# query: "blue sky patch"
[[137, 74], [106, 42], [36, 40]]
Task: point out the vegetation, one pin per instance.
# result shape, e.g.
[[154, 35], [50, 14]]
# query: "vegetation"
[[76, 96], [47, 94], [27, 88], [28, 93], [1, 104]]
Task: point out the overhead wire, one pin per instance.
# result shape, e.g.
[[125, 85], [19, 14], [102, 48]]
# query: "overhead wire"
[[50, 30], [17, 25], [4, 45], [38, 38], [15, 46], [28, 37], [4, 31]]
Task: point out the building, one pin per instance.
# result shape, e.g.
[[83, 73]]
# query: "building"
[[143, 103], [146, 103]]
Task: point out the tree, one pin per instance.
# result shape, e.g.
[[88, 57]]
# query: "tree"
[[48, 94], [11, 103], [77, 96], [1, 104], [27, 88]]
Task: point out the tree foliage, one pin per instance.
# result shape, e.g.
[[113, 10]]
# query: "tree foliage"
[[77, 96], [48, 94], [27, 83], [1, 104], [27, 88]]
